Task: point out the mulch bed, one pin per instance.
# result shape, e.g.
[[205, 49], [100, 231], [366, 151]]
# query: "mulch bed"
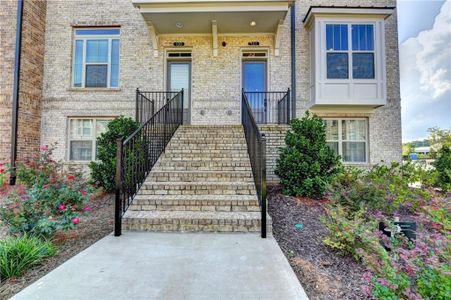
[[92, 228], [322, 273]]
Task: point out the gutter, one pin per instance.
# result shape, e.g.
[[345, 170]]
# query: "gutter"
[[15, 99], [293, 60]]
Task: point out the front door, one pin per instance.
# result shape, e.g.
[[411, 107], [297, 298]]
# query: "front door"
[[254, 82], [179, 77]]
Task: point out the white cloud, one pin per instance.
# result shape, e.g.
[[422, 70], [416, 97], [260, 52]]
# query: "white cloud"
[[434, 59], [426, 78]]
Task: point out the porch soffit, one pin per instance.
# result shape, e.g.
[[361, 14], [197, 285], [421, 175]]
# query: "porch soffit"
[[196, 17]]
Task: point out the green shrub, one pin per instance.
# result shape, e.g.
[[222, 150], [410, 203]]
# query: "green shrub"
[[40, 170], [17, 254], [48, 201], [443, 167], [103, 170], [433, 284], [381, 187], [347, 233], [307, 164], [351, 190], [397, 267]]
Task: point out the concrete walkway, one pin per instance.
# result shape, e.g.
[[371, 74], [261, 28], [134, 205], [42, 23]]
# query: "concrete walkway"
[[173, 266]]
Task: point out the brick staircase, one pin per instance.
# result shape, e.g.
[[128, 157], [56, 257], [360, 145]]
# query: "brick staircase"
[[203, 182]]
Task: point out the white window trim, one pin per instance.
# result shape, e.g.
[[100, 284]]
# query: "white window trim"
[[341, 140], [94, 137], [350, 51], [85, 38]]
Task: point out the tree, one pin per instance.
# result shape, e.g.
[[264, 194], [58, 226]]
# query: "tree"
[[408, 148], [439, 138], [307, 164]]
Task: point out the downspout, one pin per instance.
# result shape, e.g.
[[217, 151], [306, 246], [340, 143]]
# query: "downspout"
[[293, 60], [15, 112]]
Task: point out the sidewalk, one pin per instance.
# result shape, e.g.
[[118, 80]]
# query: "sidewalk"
[[173, 266]]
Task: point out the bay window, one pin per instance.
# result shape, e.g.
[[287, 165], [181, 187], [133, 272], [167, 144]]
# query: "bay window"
[[83, 134], [343, 53], [348, 138], [96, 58]]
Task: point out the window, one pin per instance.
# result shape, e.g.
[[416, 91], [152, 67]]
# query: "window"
[[348, 138], [343, 53], [96, 58], [83, 135]]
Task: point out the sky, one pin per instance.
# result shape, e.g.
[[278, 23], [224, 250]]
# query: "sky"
[[425, 60]]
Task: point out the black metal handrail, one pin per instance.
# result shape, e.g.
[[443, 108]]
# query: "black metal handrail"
[[270, 107], [137, 154], [256, 147], [147, 103], [283, 109]]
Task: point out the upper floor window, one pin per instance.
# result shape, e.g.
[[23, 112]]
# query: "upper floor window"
[[356, 52], [96, 58]]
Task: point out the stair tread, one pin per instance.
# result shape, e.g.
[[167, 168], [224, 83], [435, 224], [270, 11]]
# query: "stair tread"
[[201, 172], [164, 214], [151, 182], [243, 198]]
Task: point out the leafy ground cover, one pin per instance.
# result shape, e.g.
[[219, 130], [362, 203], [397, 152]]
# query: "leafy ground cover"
[[339, 252], [300, 233]]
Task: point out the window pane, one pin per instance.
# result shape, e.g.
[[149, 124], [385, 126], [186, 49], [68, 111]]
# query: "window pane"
[[344, 37], [330, 37], [362, 37], [97, 31], [331, 130], [363, 65], [114, 63], [337, 65], [354, 152], [81, 150], [333, 146], [353, 130], [96, 75], [78, 63], [97, 51], [337, 37], [81, 129]]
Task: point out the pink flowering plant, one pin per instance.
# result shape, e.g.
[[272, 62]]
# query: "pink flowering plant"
[[48, 199], [3, 175], [398, 268]]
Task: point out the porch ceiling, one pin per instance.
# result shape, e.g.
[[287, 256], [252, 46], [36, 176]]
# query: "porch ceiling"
[[231, 16]]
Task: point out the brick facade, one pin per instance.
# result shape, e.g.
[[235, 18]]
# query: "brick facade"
[[31, 76], [216, 81]]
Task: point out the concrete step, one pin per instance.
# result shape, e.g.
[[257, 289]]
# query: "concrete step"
[[196, 203], [205, 156], [214, 139], [198, 188], [203, 164], [194, 221], [210, 128], [206, 147], [196, 176]]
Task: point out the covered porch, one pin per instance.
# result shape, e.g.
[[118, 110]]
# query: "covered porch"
[[215, 50]]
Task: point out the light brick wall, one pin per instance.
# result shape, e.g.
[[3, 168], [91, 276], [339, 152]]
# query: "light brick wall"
[[216, 81], [31, 76]]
